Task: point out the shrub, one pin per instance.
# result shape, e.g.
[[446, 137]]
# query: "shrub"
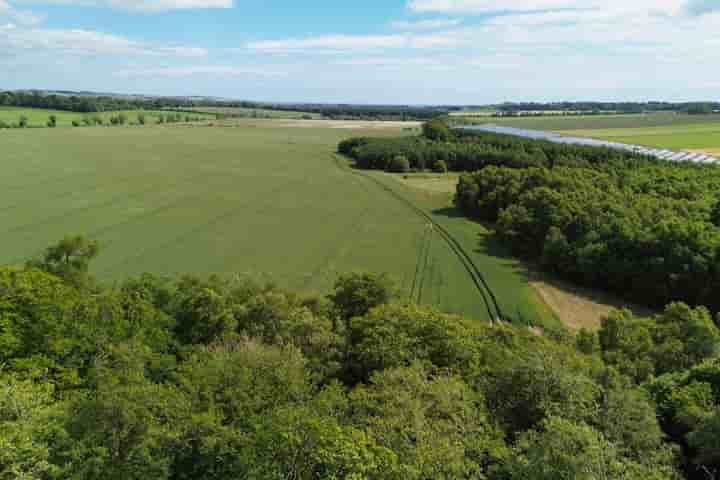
[[440, 166], [399, 164], [75, 123]]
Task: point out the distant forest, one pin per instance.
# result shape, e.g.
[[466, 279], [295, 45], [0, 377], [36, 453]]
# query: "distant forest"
[[88, 103], [91, 104]]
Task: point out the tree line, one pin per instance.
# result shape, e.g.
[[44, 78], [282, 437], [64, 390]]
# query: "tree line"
[[210, 378], [118, 119], [74, 102]]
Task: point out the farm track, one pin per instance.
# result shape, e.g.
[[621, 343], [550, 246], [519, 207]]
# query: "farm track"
[[482, 286]]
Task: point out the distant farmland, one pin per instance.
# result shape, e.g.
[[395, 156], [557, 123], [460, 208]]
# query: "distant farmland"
[[663, 130], [271, 202], [585, 122], [38, 117], [701, 136], [257, 113]]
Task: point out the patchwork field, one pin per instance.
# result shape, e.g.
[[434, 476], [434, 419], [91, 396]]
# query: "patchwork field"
[[260, 199], [38, 117]]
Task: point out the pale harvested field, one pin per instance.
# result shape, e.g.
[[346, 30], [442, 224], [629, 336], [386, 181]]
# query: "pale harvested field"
[[579, 307], [708, 151], [344, 124]]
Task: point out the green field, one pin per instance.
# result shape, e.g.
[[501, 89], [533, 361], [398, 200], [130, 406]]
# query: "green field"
[[38, 117], [704, 136], [663, 130], [597, 122], [257, 113], [268, 201]]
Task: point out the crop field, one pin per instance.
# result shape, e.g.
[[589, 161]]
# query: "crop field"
[[599, 122], [268, 201], [663, 130], [702, 136], [38, 117], [257, 112]]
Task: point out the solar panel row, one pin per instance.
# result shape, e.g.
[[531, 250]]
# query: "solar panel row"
[[663, 154]]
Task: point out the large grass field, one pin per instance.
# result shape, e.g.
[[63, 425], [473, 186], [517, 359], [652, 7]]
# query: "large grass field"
[[269, 201], [38, 117]]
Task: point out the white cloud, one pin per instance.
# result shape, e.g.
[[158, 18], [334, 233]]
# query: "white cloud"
[[23, 17], [143, 6], [331, 42], [495, 6], [165, 5], [189, 71], [84, 42], [426, 24], [26, 17]]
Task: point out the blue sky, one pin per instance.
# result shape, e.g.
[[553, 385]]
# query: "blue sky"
[[374, 51]]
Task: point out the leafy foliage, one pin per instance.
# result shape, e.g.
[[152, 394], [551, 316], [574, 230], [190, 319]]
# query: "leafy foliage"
[[225, 378]]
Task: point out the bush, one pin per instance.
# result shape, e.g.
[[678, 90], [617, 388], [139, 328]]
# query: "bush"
[[399, 164], [75, 123], [440, 166]]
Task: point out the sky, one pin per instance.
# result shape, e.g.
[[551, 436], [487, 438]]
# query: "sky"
[[369, 51]]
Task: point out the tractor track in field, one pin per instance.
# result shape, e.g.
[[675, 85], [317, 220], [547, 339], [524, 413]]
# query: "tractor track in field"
[[421, 259], [489, 299]]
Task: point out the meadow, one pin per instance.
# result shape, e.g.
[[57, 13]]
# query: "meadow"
[[38, 117], [257, 199]]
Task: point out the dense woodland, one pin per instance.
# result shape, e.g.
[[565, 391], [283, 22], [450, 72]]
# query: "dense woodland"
[[646, 229], [195, 378]]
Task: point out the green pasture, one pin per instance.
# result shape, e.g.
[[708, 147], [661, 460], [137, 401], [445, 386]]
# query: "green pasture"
[[262, 200], [38, 117]]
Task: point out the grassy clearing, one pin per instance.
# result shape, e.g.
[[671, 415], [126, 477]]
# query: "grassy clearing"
[[259, 199], [441, 184], [38, 117]]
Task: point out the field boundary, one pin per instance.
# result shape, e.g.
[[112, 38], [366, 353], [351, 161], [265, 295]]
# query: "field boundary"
[[490, 300]]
